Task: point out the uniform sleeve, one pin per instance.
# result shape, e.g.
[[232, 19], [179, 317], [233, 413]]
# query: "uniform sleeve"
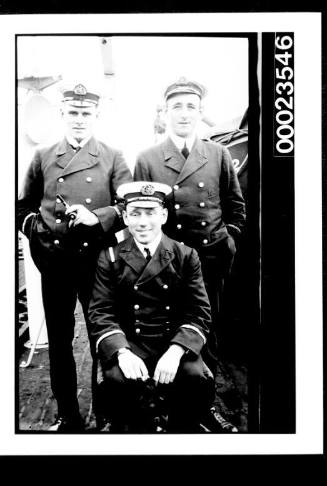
[[110, 217], [29, 199], [195, 324], [106, 334], [232, 202]]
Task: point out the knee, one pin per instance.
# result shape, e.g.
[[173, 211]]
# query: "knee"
[[196, 380], [113, 376], [192, 369], [114, 379]]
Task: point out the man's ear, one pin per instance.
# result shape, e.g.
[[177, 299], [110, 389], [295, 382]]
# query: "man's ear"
[[164, 215], [125, 217]]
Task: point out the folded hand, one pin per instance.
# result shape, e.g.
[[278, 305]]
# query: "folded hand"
[[132, 366], [168, 364]]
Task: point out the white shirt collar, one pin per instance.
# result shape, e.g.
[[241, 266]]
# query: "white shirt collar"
[[74, 142], [180, 141], [152, 246]]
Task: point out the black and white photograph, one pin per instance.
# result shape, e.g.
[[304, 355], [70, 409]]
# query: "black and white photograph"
[[167, 295]]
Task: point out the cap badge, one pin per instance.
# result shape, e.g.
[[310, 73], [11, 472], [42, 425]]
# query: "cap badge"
[[148, 190], [80, 90]]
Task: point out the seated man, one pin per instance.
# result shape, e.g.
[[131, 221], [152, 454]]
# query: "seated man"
[[150, 317]]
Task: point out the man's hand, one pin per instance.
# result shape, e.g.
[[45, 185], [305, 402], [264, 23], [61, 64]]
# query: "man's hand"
[[83, 216], [132, 366], [167, 365]]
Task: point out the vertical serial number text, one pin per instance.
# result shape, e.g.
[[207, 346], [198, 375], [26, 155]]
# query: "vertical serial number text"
[[284, 95]]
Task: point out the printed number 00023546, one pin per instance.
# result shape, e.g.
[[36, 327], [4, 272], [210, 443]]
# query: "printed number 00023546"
[[284, 87]]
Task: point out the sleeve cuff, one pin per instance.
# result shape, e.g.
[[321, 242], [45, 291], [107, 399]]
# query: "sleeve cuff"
[[109, 343], [105, 335], [190, 338], [194, 328], [108, 218]]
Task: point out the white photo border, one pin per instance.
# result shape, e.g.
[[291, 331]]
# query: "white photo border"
[[308, 438]]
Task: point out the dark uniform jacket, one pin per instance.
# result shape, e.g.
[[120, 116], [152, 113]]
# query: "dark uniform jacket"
[[148, 307], [206, 203], [89, 177]]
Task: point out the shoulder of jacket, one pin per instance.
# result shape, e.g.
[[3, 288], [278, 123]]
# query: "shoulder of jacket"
[[210, 143], [153, 149], [107, 148], [183, 249], [218, 149], [113, 252], [45, 150]]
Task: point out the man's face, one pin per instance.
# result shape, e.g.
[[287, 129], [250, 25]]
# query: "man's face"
[[79, 121], [183, 113], [145, 223]]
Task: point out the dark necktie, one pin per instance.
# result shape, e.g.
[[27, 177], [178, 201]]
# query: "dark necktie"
[[76, 149], [148, 254], [185, 151]]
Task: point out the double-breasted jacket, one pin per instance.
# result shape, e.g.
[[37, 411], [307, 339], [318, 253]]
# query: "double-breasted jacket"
[[89, 177], [148, 306], [206, 204]]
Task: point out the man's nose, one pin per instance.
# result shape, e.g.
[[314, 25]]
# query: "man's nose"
[[184, 112], [143, 219], [79, 118]]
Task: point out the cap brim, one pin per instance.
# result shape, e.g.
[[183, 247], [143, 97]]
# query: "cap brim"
[[80, 104], [144, 204]]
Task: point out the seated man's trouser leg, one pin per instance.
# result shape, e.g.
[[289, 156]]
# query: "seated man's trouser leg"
[[188, 397]]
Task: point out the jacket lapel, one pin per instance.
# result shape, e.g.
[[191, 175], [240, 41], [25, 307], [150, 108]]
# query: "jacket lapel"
[[64, 153], [131, 254], [72, 162], [160, 260], [173, 157], [196, 159]]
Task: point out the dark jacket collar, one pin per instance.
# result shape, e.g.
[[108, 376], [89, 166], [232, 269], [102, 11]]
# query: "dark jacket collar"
[[71, 162], [175, 160], [131, 254]]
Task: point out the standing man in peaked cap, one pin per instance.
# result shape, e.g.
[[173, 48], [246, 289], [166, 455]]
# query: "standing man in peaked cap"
[[206, 207], [67, 210], [150, 317]]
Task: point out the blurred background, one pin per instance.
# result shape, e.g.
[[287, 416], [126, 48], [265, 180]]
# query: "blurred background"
[[132, 73]]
